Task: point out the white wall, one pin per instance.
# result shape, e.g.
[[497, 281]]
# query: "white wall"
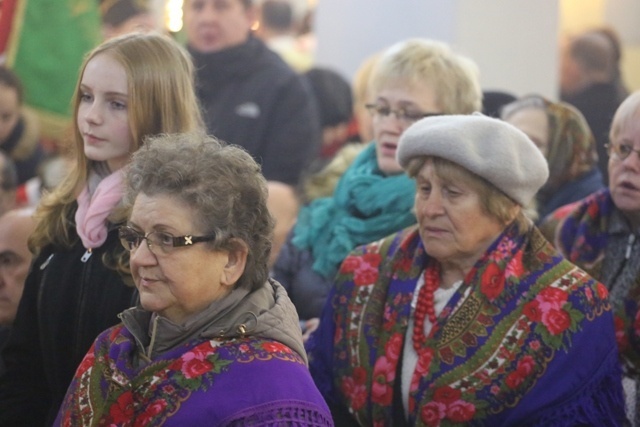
[[514, 42]]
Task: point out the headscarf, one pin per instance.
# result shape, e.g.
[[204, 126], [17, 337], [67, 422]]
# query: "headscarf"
[[572, 147]]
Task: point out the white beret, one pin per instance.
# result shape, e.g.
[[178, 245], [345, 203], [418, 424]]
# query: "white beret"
[[491, 148]]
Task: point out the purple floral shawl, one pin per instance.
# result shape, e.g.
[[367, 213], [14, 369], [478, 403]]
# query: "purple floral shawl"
[[580, 232], [527, 339], [239, 382]]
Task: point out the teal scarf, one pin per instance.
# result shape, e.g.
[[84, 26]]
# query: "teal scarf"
[[366, 206]]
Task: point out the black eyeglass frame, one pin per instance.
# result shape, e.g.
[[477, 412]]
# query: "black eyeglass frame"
[[401, 113], [179, 241], [615, 149]]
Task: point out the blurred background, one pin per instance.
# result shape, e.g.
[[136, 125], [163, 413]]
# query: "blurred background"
[[516, 43]]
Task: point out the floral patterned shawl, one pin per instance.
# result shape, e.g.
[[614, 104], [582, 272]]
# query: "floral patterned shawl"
[[238, 382], [580, 232], [527, 339]]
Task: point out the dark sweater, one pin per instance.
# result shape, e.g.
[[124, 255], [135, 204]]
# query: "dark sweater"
[[597, 103], [253, 99]]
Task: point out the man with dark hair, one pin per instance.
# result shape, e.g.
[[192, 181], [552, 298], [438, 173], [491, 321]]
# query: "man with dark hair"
[[15, 258], [587, 81], [250, 96], [125, 16], [277, 16]]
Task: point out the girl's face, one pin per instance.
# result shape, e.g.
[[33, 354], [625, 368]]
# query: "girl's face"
[[9, 111], [103, 119]]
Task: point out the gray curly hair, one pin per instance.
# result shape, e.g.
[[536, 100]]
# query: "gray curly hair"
[[223, 185]]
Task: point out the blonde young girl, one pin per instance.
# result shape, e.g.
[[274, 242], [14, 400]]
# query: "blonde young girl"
[[129, 88]]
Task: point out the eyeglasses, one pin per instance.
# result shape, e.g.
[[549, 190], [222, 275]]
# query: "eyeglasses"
[[405, 117], [622, 151], [158, 242]]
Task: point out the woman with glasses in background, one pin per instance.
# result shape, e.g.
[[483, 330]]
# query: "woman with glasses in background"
[[411, 80], [213, 341], [600, 234]]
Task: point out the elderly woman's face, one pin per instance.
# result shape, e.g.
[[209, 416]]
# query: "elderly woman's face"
[[452, 223], [185, 280], [398, 100], [624, 174], [535, 124]]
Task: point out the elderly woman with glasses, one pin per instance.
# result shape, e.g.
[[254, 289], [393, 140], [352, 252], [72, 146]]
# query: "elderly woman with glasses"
[[600, 234], [470, 317], [213, 341], [410, 80]]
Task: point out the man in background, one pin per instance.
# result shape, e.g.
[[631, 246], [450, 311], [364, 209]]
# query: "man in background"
[[280, 22], [15, 259], [588, 82], [250, 96]]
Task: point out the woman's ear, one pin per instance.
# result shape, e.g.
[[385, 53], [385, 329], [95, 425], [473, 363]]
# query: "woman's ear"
[[236, 262]]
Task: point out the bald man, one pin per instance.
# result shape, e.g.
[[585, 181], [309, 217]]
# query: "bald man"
[[15, 259]]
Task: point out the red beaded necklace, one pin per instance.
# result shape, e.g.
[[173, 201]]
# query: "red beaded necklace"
[[425, 306]]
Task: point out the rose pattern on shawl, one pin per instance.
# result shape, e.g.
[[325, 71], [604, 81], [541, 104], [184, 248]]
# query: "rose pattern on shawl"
[[384, 374], [556, 321], [492, 283], [367, 271], [87, 362], [447, 404], [432, 413], [544, 317], [554, 314], [350, 264], [524, 368], [151, 413], [621, 335], [384, 371], [603, 293], [354, 387], [393, 347], [249, 352], [123, 409], [169, 382], [422, 370]]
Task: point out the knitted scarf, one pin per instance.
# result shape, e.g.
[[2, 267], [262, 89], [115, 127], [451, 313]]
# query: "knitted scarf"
[[93, 209], [366, 205]]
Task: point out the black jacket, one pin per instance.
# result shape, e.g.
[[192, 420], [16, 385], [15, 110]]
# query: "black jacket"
[[66, 303], [253, 99], [598, 104], [307, 289]]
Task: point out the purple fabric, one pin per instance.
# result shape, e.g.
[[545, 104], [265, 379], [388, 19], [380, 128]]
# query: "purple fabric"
[[247, 381]]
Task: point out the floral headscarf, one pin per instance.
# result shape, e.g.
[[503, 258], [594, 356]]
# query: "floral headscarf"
[[572, 148]]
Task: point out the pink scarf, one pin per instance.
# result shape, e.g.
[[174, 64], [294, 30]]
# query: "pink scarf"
[[92, 213]]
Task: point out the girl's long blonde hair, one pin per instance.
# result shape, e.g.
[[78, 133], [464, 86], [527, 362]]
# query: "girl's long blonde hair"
[[161, 99]]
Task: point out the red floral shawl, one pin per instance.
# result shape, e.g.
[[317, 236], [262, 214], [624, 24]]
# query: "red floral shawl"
[[528, 338]]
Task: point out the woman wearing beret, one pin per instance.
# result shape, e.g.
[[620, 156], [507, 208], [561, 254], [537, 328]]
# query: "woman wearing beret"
[[600, 234], [412, 79], [214, 342], [561, 132], [470, 317]]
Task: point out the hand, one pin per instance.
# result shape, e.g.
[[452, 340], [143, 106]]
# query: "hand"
[[308, 326]]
